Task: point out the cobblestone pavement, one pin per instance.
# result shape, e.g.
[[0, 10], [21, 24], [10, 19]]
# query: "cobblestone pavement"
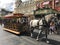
[[7, 38]]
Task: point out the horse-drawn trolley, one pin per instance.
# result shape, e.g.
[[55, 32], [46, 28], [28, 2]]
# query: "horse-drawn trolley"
[[15, 23]]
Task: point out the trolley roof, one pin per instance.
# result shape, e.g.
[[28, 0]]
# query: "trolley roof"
[[13, 15]]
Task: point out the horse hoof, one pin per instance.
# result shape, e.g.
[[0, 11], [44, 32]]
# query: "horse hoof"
[[47, 41], [31, 36], [37, 39]]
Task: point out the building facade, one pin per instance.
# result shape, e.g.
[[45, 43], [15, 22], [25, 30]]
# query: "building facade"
[[25, 7], [4, 12], [29, 6]]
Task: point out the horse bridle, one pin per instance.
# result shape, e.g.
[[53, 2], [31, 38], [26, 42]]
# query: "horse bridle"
[[44, 22]]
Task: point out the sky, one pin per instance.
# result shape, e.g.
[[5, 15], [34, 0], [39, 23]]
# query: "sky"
[[24, 0], [8, 4]]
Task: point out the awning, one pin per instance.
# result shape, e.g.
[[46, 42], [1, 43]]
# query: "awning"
[[48, 2], [56, 1], [45, 11], [45, 3]]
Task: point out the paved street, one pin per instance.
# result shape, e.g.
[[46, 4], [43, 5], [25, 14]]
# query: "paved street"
[[7, 38]]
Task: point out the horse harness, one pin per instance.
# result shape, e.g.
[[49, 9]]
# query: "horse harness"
[[45, 24]]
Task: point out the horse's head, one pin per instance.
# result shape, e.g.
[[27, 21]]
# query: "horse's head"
[[51, 18]]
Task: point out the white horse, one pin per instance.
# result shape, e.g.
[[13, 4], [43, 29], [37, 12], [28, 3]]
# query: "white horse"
[[40, 23]]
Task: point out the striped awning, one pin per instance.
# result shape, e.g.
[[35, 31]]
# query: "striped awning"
[[47, 2]]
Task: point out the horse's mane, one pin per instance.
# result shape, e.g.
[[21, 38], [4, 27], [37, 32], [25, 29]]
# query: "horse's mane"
[[48, 17]]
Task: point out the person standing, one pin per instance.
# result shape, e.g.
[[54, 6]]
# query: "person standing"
[[52, 27]]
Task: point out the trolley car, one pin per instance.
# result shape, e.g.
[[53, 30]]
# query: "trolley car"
[[15, 23]]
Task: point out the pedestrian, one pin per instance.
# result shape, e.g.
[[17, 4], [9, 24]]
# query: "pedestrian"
[[52, 27]]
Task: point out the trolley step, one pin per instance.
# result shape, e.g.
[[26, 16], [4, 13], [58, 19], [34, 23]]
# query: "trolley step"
[[11, 31]]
